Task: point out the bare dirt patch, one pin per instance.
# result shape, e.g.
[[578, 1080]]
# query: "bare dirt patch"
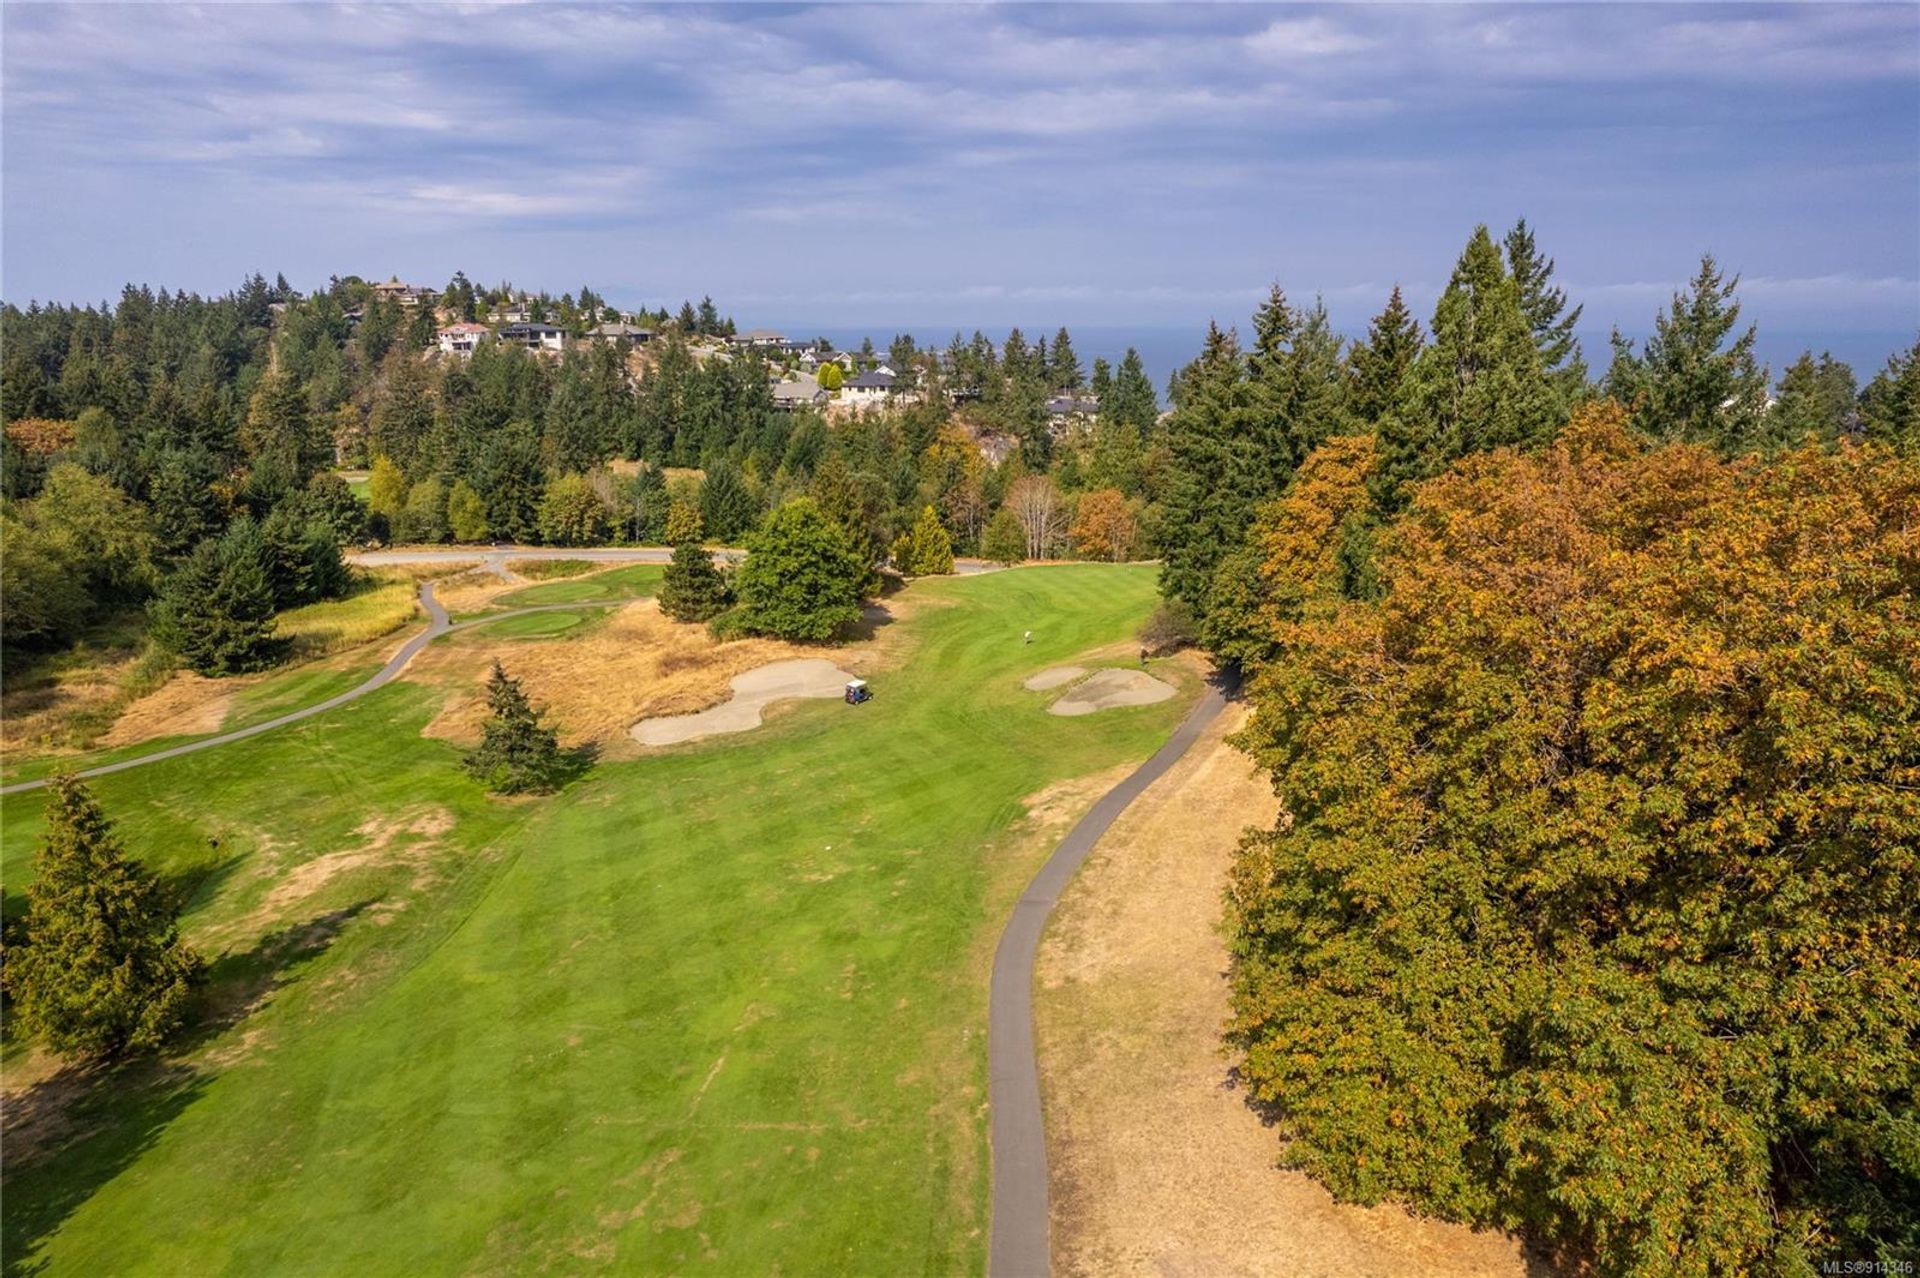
[[1158, 1165], [186, 705], [1053, 678], [637, 664], [1111, 688]]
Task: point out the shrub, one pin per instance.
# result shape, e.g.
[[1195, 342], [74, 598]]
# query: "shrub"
[[1169, 628]]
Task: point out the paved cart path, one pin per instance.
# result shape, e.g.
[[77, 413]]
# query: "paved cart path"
[[437, 624], [1017, 1247]]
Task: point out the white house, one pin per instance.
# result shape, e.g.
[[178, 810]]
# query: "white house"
[[460, 339], [868, 388], [536, 337]]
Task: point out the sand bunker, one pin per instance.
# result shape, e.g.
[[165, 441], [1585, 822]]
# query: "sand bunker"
[[752, 692], [1111, 688], [1053, 678]]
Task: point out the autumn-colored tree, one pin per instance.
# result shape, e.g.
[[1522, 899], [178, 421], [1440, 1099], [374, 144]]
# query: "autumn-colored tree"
[[1592, 911], [1104, 526]]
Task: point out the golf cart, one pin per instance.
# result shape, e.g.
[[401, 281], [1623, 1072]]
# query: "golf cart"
[[858, 691]]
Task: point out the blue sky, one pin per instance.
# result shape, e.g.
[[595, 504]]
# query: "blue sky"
[[946, 165]]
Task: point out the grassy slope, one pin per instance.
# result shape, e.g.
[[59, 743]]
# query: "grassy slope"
[[716, 1010]]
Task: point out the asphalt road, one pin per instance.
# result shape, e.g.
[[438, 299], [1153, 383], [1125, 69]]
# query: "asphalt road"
[[437, 624], [1017, 1246]]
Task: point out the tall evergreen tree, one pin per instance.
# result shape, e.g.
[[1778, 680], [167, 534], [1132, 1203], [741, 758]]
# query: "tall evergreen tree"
[[1063, 369], [100, 968], [1209, 498], [692, 589], [1689, 383], [1477, 385], [216, 610], [1815, 404], [1133, 399], [924, 550], [1545, 306], [1890, 404], [1377, 368], [517, 753]]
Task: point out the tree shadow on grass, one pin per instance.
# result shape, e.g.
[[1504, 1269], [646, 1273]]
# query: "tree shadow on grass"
[[70, 1133]]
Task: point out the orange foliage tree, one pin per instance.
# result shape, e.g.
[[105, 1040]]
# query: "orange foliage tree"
[[1594, 908], [1104, 526]]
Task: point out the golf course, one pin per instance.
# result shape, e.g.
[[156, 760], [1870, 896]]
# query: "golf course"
[[715, 1007]]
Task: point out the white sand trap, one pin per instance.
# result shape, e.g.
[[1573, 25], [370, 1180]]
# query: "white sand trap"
[[1111, 688], [752, 691], [1053, 678]]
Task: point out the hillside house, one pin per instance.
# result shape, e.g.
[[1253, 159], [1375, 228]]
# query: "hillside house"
[[405, 294], [868, 388], [621, 332], [760, 337], [801, 392], [536, 337], [461, 339]]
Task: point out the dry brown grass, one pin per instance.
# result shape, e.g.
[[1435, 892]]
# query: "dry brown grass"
[[186, 705], [471, 590], [1158, 1165], [375, 610], [637, 665]]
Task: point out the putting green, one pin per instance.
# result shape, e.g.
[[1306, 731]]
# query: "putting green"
[[716, 1010]]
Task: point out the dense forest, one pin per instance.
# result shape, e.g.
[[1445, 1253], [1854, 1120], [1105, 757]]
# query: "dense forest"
[[177, 445], [1594, 709]]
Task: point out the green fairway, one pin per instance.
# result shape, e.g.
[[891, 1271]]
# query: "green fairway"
[[635, 581], [720, 1009]]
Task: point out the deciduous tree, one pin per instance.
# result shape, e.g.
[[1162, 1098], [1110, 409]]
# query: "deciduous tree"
[[1104, 526], [801, 580]]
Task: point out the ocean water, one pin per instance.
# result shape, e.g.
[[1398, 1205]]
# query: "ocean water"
[[1164, 350]]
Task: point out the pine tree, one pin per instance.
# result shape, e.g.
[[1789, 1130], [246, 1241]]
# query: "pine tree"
[[1208, 501], [1134, 401], [1476, 386], [692, 589], [1815, 404], [1694, 390], [728, 508], [924, 550], [1890, 404], [1005, 541], [1545, 306], [1064, 371], [1377, 368], [1100, 386], [100, 968], [216, 610], [517, 754]]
